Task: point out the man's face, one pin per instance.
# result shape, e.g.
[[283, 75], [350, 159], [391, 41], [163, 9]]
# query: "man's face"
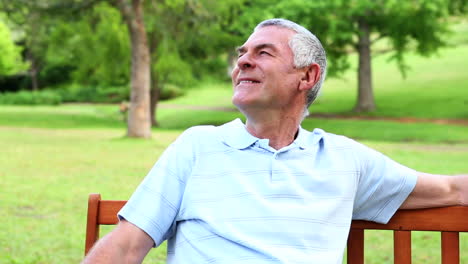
[[264, 76]]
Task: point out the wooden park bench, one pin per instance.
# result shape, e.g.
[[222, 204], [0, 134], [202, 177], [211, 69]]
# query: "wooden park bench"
[[449, 221]]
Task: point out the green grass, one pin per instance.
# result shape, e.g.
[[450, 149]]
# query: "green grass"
[[214, 94], [47, 174], [55, 156], [64, 116], [107, 116]]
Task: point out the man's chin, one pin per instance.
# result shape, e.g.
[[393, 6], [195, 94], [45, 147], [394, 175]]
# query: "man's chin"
[[246, 106], [241, 101], [241, 105]]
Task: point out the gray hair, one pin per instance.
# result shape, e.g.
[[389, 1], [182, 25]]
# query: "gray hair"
[[307, 50]]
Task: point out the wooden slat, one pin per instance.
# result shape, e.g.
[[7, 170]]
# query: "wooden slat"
[[100, 212], [92, 225], [108, 210], [450, 244], [453, 218], [355, 248], [402, 247]]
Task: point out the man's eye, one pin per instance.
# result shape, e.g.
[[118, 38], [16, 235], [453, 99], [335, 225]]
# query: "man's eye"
[[262, 52]]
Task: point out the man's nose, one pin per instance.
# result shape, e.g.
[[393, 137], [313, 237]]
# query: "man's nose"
[[245, 61]]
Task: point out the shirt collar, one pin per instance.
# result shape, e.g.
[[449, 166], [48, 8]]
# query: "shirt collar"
[[236, 135], [307, 139]]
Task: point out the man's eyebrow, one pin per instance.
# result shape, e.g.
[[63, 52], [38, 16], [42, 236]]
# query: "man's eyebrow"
[[242, 49]]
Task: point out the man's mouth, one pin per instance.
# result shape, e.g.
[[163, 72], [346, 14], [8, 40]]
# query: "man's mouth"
[[247, 81]]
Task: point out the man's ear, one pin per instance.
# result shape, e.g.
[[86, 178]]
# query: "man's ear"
[[311, 76]]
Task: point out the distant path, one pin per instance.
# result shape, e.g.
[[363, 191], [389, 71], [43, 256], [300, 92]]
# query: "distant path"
[[440, 121]]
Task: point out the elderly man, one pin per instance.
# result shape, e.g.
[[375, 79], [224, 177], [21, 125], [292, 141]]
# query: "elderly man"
[[267, 191]]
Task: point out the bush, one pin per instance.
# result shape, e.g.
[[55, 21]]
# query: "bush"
[[80, 94], [45, 97], [114, 94], [170, 91], [94, 94]]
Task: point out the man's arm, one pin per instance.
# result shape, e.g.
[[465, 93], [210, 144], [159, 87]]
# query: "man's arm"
[[125, 244], [438, 191]]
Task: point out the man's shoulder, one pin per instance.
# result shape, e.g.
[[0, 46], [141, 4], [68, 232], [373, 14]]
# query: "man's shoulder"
[[205, 134], [333, 140], [198, 134], [199, 131]]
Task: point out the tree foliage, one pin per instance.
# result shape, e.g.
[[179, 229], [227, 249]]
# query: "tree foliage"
[[96, 46], [192, 32], [10, 59], [186, 40], [88, 42], [32, 22]]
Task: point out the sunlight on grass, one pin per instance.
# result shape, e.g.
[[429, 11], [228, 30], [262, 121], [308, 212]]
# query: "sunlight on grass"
[[205, 94]]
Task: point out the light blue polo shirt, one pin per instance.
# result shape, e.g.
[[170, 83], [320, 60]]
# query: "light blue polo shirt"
[[221, 195]]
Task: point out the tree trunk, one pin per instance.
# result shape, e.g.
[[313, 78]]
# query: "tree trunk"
[[366, 101], [33, 73], [139, 122], [33, 21]]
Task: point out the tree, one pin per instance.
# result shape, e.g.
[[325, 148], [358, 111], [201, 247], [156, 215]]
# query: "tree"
[[26, 19], [95, 46], [186, 40], [355, 25], [10, 58], [132, 12], [173, 24], [182, 38], [181, 34], [139, 123]]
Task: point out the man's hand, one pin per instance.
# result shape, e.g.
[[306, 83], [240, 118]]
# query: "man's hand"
[[125, 244], [438, 191]]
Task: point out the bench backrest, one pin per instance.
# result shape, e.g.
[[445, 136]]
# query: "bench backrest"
[[447, 220]]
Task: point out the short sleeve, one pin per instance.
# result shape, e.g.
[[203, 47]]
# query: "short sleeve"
[[383, 185], [154, 205]]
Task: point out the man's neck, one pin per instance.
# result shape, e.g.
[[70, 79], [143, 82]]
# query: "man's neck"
[[281, 132]]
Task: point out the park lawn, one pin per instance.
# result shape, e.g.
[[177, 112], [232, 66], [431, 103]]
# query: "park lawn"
[[53, 157]]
